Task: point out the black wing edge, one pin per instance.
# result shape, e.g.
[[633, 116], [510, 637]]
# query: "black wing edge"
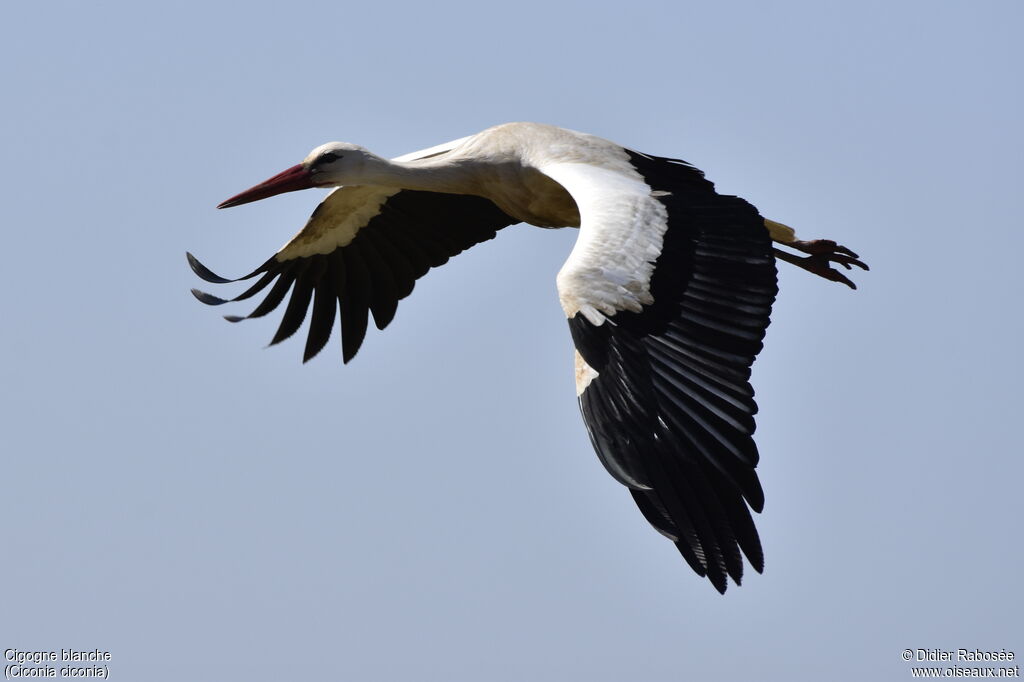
[[413, 232], [671, 411]]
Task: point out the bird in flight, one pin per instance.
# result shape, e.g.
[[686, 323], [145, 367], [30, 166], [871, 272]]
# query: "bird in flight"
[[668, 292]]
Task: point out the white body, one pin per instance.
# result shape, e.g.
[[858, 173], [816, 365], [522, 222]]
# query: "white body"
[[668, 292]]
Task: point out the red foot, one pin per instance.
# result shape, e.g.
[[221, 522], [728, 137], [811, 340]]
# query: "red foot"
[[823, 252]]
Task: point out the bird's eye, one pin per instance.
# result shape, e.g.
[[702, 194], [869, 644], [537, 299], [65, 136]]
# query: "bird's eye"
[[329, 157]]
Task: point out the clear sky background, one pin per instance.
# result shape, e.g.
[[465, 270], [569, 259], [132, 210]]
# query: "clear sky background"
[[207, 509]]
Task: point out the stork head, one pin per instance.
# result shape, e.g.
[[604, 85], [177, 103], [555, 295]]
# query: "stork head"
[[329, 165]]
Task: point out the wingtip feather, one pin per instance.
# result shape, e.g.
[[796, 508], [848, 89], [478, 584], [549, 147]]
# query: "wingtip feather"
[[204, 272], [208, 299]]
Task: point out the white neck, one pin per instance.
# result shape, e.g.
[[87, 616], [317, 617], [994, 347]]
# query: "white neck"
[[439, 174]]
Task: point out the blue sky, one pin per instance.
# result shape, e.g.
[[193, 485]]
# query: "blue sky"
[[208, 509]]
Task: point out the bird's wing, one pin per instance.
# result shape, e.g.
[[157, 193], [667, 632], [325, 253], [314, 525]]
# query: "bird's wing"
[[362, 251], [668, 291]]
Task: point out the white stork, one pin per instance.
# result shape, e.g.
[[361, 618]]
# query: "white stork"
[[668, 292]]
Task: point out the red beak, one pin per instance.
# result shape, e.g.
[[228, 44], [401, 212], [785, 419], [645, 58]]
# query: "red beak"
[[295, 178]]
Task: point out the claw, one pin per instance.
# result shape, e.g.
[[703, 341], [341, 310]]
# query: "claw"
[[822, 246], [845, 261], [823, 253], [820, 266], [814, 246]]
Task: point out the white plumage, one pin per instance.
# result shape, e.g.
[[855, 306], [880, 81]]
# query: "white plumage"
[[667, 292]]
